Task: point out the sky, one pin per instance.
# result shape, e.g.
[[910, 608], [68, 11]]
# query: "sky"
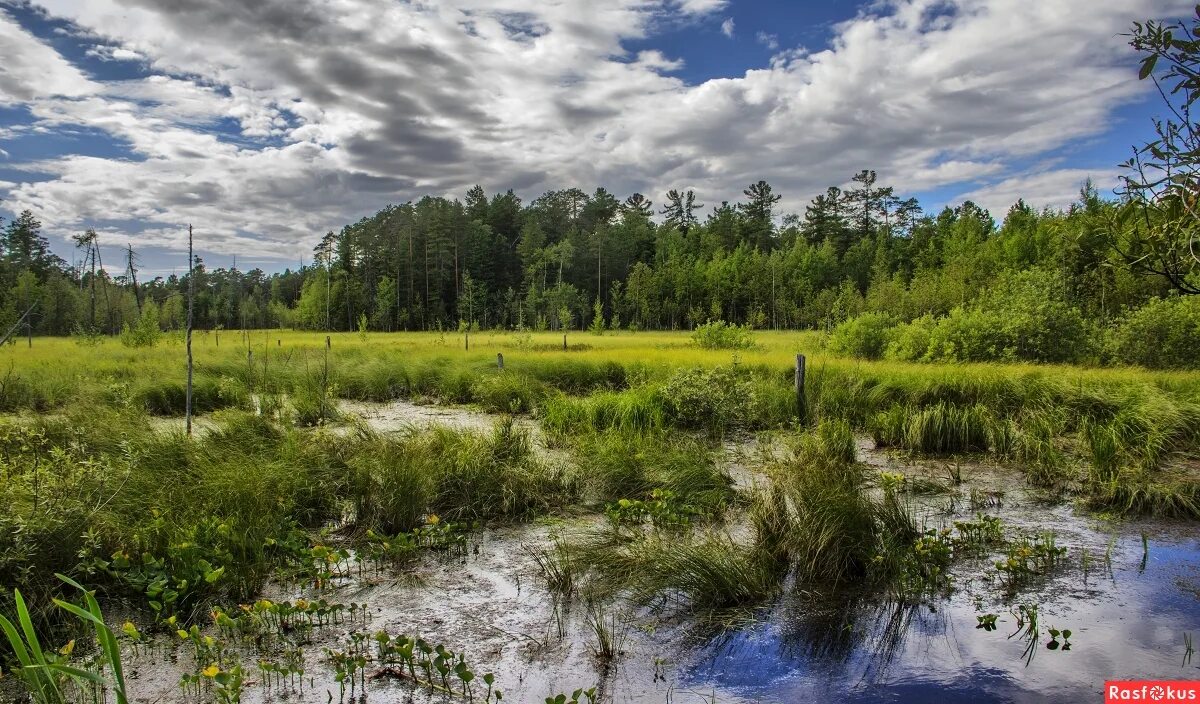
[[265, 124]]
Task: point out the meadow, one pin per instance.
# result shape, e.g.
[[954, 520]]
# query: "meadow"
[[664, 488]]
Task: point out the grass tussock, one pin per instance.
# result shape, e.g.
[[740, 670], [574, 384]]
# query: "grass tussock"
[[399, 479], [618, 465]]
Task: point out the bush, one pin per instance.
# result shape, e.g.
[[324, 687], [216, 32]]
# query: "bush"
[[146, 332], [1023, 317], [912, 342], [865, 336], [711, 399], [169, 398], [616, 465], [720, 335], [1163, 334]]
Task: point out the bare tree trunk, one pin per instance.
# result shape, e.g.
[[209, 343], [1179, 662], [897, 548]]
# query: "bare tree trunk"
[[137, 294]]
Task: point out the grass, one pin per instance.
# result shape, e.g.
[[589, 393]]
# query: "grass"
[[91, 489], [172, 523], [618, 465], [697, 571]]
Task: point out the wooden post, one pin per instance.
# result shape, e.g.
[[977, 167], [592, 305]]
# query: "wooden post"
[[500, 361], [29, 332], [801, 401], [467, 341], [191, 298], [279, 343], [564, 342], [218, 338], [325, 377]]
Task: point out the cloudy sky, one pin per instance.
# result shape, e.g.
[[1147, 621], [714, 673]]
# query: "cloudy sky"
[[267, 123]]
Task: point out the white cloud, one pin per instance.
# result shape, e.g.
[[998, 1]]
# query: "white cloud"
[[30, 69], [1057, 188], [702, 7], [343, 107], [106, 52], [770, 41], [727, 27]]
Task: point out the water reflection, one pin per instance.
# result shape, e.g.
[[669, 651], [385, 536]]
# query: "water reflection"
[[864, 649]]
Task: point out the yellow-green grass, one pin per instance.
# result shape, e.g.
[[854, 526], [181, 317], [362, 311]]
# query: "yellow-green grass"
[[58, 369]]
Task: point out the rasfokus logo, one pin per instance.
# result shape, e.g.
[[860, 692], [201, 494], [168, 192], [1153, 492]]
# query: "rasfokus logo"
[[1151, 691]]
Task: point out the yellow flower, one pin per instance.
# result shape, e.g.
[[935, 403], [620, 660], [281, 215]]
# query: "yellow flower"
[[210, 671], [68, 648], [433, 519]]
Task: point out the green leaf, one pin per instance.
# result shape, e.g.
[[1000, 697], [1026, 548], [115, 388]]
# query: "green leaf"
[[1148, 65]]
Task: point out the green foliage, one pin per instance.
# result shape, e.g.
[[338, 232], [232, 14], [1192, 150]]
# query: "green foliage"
[[720, 335], [865, 336], [1163, 334], [616, 465], [716, 400], [941, 428], [146, 332], [597, 326], [46, 673], [1024, 316], [455, 474]]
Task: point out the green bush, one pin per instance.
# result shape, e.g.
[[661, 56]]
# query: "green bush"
[[720, 335], [169, 398], [865, 336], [912, 342], [1025, 316], [715, 400], [1163, 334], [146, 332]]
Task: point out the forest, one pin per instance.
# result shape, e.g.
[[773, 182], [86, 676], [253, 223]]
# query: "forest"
[[1049, 285]]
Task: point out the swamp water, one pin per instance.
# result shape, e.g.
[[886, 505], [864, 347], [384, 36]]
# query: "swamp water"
[[1128, 611]]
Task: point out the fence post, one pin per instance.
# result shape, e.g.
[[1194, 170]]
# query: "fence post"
[[564, 342], [467, 341], [801, 401], [500, 361], [328, 344]]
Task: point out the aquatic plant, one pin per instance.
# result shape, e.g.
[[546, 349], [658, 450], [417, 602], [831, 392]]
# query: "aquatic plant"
[[609, 630], [556, 566], [46, 671]]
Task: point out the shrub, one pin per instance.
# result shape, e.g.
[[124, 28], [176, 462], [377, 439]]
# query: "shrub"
[[911, 342], [1163, 334], [940, 428], [145, 333], [169, 398], [720, 335], [1025, 316], [865, 336], [639, 409], [710, 399]]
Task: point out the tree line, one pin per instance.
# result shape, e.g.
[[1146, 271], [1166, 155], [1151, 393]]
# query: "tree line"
[[570, 259]]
